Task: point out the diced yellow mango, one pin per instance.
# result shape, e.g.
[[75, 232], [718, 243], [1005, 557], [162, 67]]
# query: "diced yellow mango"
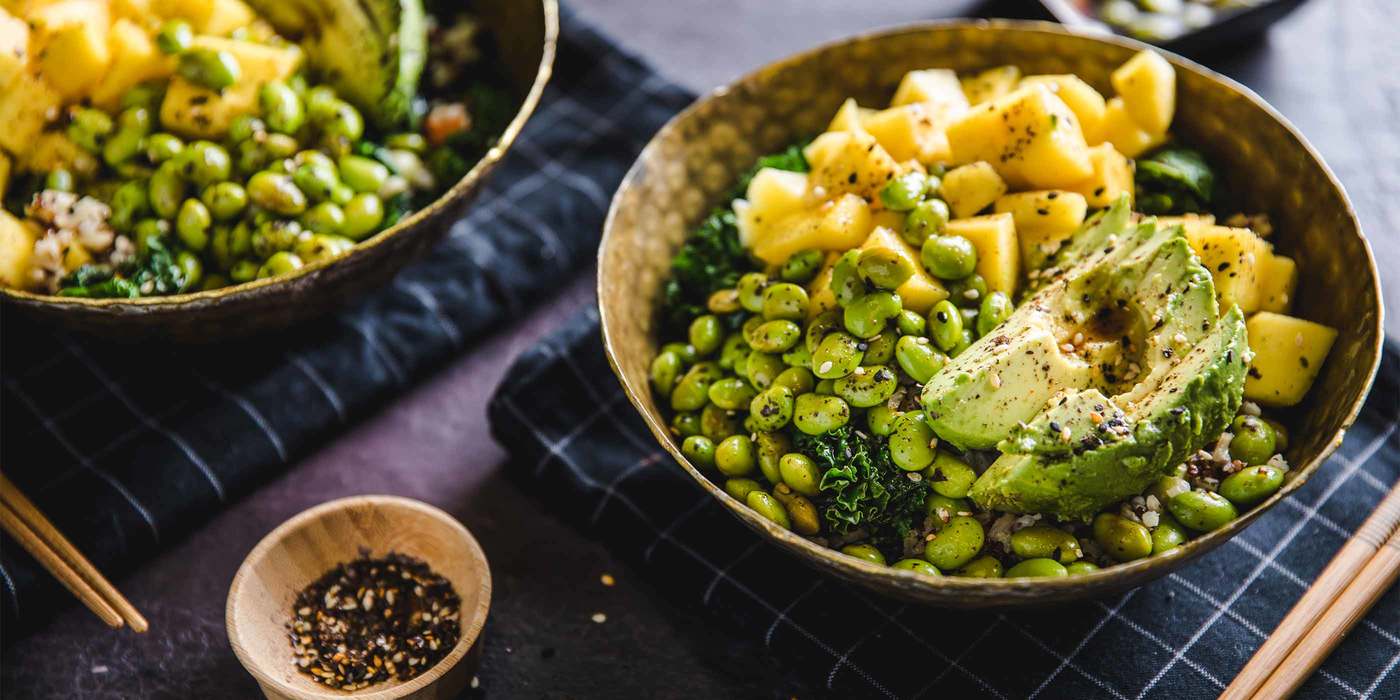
[[910, 132], [971, 188], [936, 86], [848, 117], [990, 84], [225, 16], [52, 150], [49, 18], [1288, 354], [16, 250], [138, 11], [1126, 136], [819, 294], [75, 58], [1147, 84], [839, 224], [1234, 257], [1112, 178], [1187, 221], [773, 195], [198, 112], [5, 169], [998, 254], [14, 46], [1030, 136], [1086, 102], [1278, 278], [921, 291], [852, 163], [1044, 220], [135, 59], [26, 104]]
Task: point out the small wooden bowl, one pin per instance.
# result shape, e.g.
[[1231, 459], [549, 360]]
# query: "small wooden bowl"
[[302, 549], [692, 161]]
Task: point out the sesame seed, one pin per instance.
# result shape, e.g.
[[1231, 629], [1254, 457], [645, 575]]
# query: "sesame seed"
[[599, 618], [1298, 340], [825, 367], [607, 579], [996, 380]]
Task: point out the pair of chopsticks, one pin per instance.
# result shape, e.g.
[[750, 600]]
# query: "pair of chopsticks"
[[1362, 571], [22, 520]]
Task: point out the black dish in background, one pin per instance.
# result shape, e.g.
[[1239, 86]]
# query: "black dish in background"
[[1234, 28]]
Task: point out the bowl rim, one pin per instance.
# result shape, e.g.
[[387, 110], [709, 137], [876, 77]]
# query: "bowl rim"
[[258, 287], [471, 629], [1137, 570]]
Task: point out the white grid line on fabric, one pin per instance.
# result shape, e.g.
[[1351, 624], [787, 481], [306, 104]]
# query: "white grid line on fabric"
[[723, 572], [846, 655], [1319, 518], [645, 461], [986, 632], [87, 463], [526, 220], [1102, 684], [641, 443], [936, 651], [700, 504], [1249, 626], [320, 382], [150, 421], [10, 586], [1374, 482], [1352, 466], [1082, 643], [32, 371], [563, 441], [1389, 666], [1152, 637], [571, 179], [248, 408], [73, 407], [567, 460], [372, 342], [783, 614], [419, 292]]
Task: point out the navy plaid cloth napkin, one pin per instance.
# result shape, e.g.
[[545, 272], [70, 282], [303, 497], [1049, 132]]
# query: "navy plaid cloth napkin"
[[1184, 636], [128, 447]]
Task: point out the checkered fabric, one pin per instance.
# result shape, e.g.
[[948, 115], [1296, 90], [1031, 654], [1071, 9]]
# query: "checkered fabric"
[[1184, 636], [128, 447]]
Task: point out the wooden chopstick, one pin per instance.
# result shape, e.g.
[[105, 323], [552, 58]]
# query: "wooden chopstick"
[[1361, 565], [23, 520]]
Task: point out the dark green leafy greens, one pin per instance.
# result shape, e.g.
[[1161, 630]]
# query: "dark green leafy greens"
[[1175, 181], [156, 268], [862, 487]]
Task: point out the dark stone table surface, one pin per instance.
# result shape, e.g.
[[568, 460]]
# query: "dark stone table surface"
[[1333, 67]]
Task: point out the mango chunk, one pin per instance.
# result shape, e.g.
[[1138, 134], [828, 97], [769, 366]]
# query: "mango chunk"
[[1086, 102], [138, 11], [26, 104], [135, 59], [198, 112], [1126, 136], [773, 195], [998, 254], [1288, 354], [14, 46], [1030, 136], [1234, 257], [51, 17], [990, 84], [848, 117], [852, 163], [839, 224], [16, 250], [1044, 219], [1278, 278], [911, 132], [5, 168], [819, 294], [971, 188], [225, 16], [921, 291], [936, 86], [1147, 84], [1112, 178], [75, 58]]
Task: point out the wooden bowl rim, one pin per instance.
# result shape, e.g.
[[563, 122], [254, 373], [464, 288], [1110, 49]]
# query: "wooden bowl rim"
[[471, 628], [1046, 588], [272, 286]]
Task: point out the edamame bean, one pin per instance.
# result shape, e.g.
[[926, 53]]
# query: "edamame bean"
[[950, 476], [1251, 485], [1168, 535], [213, 69], [880, 420], [771, 446], [325, 218], [820, 326], [797, 356], [825, 387], [136, 118], [162, 147], [276, 193], [280, 147], [798, 380], [191, 270], [918, 358], [1254, 441], [732, 351], [802, 266], [884, 268], [836, 356], [174, 36], [846, 282], [927, 218], [910, 323], [775, 336], [316, 179], [1037, 568], [1201, 511], [945, 325], [739, 489], [800, 473], [1280, 435], [717, 423], [723, 301], [665, 370], [59, 179], [784, 300], [968, 292], [123, 146], [880, 349], [362, 174], [706, 334], [320, 103], [768, 507], [918, 566], [89, 128], [147, 230], [801, 512], [275, 235], [344, 122], [956, 544], [996, 308], [214, 281], [226, 200], [750, 288], [243, 271], [1081, 567], [735, 456], [407, 141], [320, 246], [692, 392], [363, 214], [129, 203], [1045, 541], [732, 393], [867, 316], [700, 450], [772, 409], [147, 94], [867, 386], [763, 368], [911, 441], [949, 257], [281, 263], [244, 127], [204, 163], [1122, 539], [685, 424], [904, 192], [682, 350], [943, 508], [192, 224], [865, 552], [816, 414], [166, 190], [986, 566], [281, 108]]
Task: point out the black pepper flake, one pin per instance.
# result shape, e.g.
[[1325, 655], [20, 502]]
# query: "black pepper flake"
[[371, 620]]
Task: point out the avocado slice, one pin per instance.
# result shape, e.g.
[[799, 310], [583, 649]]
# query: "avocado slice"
[[371, 51]]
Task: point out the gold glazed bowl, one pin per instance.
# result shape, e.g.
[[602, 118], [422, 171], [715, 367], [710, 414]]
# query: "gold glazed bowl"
[[526, 34], [693, 160]]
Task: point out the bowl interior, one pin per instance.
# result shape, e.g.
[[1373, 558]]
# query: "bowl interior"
[[1270, 168], [305, 547]]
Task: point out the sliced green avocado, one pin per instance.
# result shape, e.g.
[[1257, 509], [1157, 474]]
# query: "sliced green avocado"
[[371, 51]]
